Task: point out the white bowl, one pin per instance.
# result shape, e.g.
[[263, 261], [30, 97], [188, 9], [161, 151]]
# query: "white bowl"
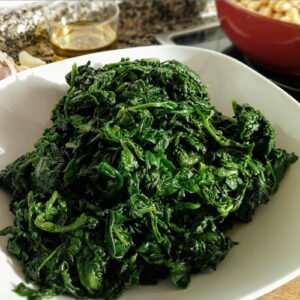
[[268, 253]]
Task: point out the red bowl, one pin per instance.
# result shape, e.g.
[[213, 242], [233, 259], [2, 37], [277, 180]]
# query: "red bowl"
[[269, 42]]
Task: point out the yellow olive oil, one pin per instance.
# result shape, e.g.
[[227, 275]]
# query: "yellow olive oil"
[[82, 37]]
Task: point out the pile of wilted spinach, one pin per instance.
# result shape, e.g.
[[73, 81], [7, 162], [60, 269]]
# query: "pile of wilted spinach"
[[136, 180]]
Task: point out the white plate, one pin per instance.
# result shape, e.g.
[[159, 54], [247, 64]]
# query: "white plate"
[[268, 253]]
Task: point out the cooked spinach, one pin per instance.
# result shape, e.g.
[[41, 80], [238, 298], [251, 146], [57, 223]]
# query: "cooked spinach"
[[135, 181]]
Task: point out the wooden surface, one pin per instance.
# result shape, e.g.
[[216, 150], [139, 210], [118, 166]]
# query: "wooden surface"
[[289, 291]]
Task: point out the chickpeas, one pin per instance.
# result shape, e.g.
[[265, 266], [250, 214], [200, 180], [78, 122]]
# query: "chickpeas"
[[284, 10], [282, 6]]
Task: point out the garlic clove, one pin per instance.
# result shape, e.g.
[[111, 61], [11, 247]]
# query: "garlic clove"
[[22, 68], [29, 61]]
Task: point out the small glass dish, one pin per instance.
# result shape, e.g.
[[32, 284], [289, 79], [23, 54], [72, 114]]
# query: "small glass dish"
[[82, 27]]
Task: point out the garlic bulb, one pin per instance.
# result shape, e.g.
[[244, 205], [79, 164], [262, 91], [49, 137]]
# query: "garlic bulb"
[[7, 66]]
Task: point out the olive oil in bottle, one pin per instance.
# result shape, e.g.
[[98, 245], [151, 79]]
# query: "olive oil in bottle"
[[82, 37]]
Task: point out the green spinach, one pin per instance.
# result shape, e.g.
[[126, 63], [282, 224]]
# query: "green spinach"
[[135, 181]]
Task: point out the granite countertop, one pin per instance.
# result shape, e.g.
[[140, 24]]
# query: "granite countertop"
[[139, 22]]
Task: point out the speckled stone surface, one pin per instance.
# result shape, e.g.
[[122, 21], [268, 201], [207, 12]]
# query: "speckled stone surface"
[[18, 28], [139, 21]]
